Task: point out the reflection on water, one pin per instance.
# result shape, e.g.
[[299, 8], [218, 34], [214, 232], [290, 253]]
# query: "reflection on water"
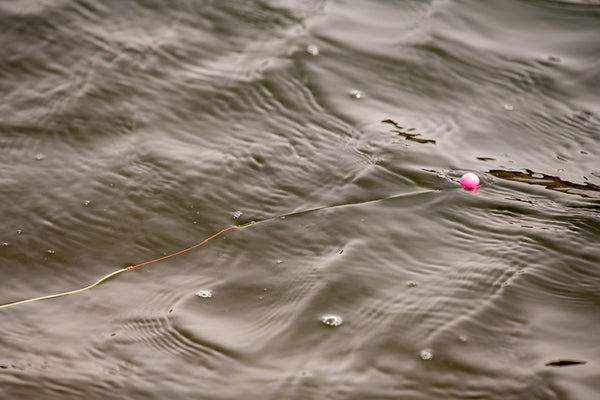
[[404, 132], [548, 181], [335, 133]]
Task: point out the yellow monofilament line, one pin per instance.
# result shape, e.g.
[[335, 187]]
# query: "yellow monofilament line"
[[66, 293], [51, 296]]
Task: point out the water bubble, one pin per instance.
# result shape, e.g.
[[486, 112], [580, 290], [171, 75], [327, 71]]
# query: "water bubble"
[[357, 94], [237, 214], [86, 203], [312, 50], [508, 107], [5, 244], [49, 251], [411, 283], [331, 320], [462, 339], [205, 294], [279, 261], [19, 231], [426, 354]]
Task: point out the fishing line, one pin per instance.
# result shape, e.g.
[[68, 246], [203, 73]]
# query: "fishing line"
[[115, 273]]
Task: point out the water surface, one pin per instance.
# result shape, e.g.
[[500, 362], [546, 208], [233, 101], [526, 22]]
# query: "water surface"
[[334, 133]]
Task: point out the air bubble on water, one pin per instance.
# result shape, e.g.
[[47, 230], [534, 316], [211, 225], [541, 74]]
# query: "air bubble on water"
[[411, 283], [462, 339], [50, 251], [331, 320], [19, 231], [426, 354], [205, 294], [312, 50], [86, 203], [279, 261], [39, 157], [5, 244], [357, 94], [508, 107], [237, 214]]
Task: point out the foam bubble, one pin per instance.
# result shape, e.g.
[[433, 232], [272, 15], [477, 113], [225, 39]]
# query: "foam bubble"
[[331, 320]]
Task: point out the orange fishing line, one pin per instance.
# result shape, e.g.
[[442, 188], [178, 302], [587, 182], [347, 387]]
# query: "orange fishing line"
[[115, 273]]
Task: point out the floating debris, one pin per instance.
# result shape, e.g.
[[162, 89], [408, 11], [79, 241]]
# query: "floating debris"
[[564, 363]]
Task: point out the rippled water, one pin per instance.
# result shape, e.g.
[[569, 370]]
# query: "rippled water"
[[334, 133]]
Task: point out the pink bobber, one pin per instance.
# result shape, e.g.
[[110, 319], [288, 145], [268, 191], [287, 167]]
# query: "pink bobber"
[[470, 180]]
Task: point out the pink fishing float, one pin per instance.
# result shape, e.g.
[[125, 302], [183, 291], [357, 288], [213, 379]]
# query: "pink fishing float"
[[470, 180]]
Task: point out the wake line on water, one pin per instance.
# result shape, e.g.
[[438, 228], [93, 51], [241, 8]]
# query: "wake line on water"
[[104, 278]]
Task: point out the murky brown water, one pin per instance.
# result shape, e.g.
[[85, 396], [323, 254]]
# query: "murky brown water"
[[334, 133]]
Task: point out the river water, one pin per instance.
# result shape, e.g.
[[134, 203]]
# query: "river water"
[[334, 133]]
